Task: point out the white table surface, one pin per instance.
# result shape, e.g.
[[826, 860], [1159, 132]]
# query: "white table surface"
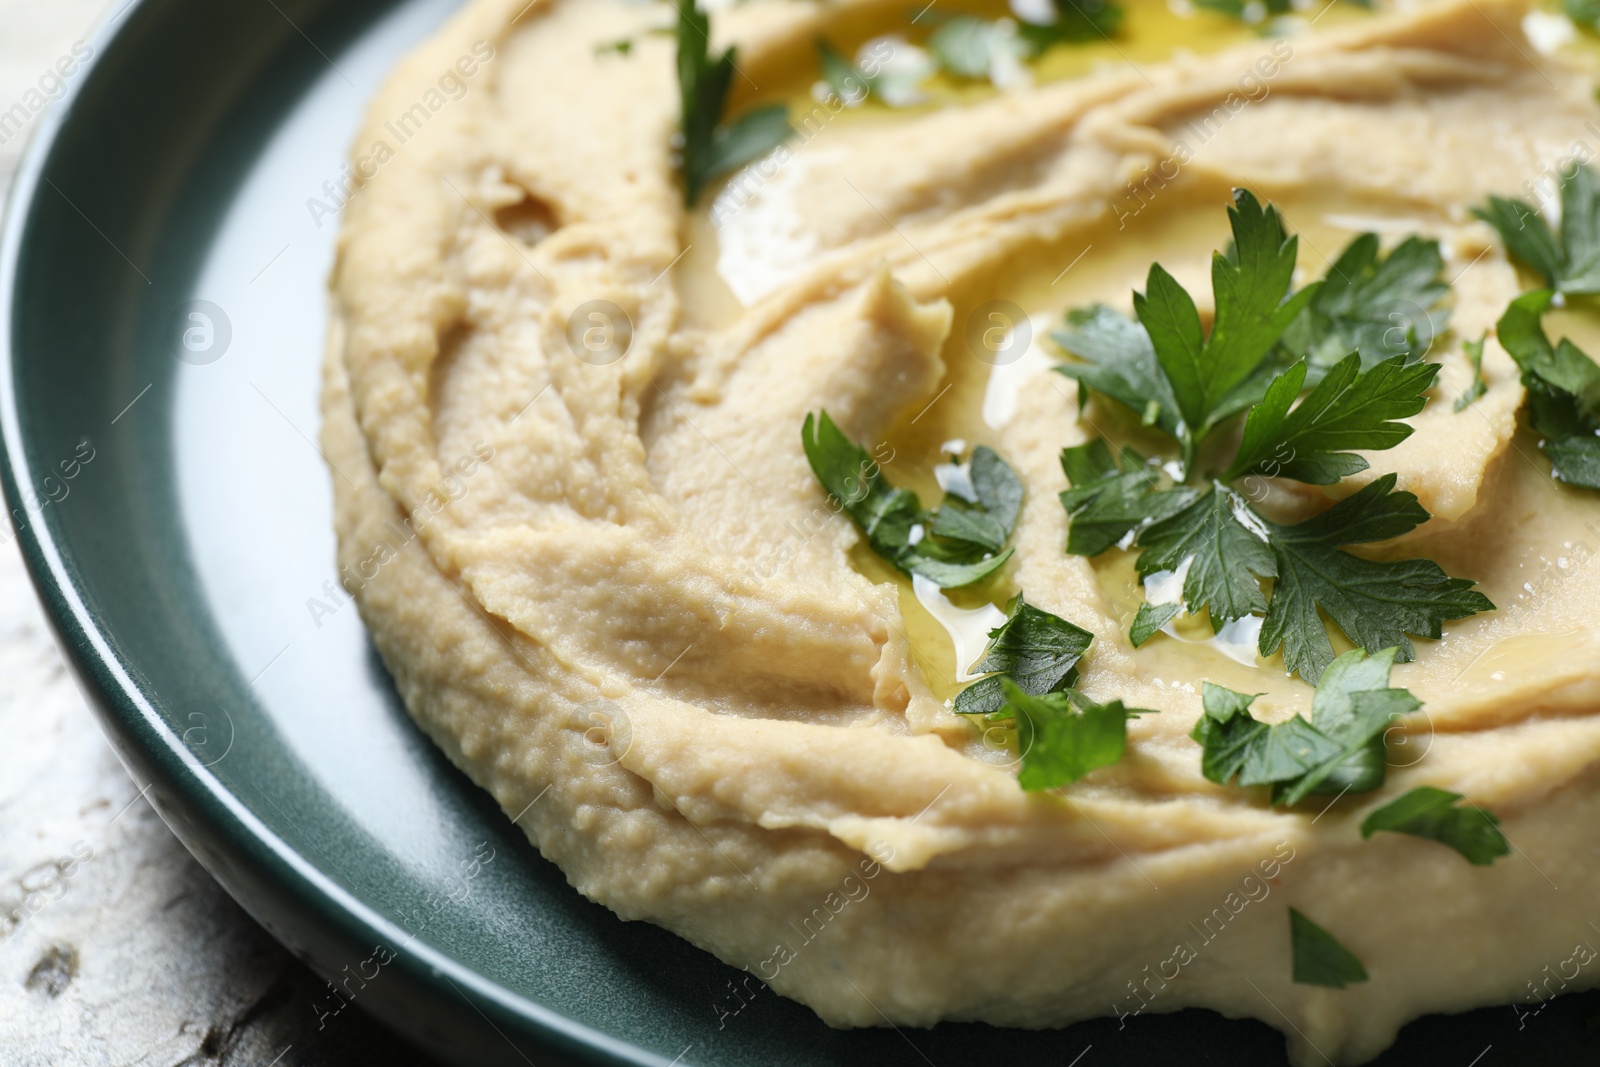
[[116, 948]]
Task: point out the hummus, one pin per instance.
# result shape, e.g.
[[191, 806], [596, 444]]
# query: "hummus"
[[564, 419]]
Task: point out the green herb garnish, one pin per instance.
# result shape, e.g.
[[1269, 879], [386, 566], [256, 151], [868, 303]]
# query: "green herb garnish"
[[1563, 386], [1375, 602], [1062, 736], [961, 543], [847, 81], [1243, 9], [1474, 351], [1111, 496], [1431, 813], [1032, 666], [1187, 386], [1584, 13], [1319, 959], [1204, 380], [711, 147], [1037, 651], [1570, 262], [971, 47], [1340, 750], [1349, 408], [1380, 306], [1149, 620], [1239, 9], [1076, 21]]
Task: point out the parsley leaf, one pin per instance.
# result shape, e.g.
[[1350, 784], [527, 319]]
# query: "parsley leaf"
[[1111, 497], [1586, 14], [711, 147], [1120, 362], [1227, 734], [1186, 384], [1222, 546], [894, 522], [1376, 603], [1380, 306], [1569, 263], [1250, 285], [884, 513], [1149, 620], [1348, 409], [848, 83], [1035, 650], [1431, 813], [1239, 9], [972, 47], [1563, 386], [1474, 351], [1076, 21], [1063, 736], [988, 520], [1319, 959], [1340, 750], [1164, 367]]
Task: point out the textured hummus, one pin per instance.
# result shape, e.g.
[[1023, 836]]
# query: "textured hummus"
[[593, 556]]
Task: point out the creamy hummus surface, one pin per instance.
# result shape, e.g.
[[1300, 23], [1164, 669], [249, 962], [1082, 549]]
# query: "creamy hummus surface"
[[564, 412]]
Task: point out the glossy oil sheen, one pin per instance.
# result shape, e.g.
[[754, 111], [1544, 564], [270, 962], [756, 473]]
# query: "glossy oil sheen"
[[181, 566]]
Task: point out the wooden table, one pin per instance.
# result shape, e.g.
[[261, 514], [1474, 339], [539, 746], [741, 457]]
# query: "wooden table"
[[116, 948]]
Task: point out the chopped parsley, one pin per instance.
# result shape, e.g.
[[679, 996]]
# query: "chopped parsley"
[[710, 146], [1119, 361], [1375, 602], [1380, 306], [1568, 262], [1256, 10], [1205, 380], [1319, 959], [1076, 21], [1584, 13], [959, 544], [1037, 651], [1222, 546], [1149, 620], [1474, 351], [971, 47], [1062, 736], [1432, 813], [989, 516], [1245, 10], [1031, 665], [847, 81], [1563, 386], [1340, 750], [1349, 408], [1257, 361], [1112, 495]]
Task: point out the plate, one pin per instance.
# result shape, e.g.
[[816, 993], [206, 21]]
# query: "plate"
[[162, 282]]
